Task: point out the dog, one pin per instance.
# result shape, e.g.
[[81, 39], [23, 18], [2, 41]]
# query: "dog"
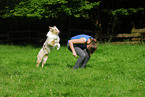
[[51, 43]]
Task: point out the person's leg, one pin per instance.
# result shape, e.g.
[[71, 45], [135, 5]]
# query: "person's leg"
[[82, 56], [86, 59]]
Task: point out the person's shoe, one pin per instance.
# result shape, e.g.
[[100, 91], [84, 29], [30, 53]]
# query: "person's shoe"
[[83, 67], [74, 68]]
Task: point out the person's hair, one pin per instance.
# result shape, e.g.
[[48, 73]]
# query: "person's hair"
[[92, 46]]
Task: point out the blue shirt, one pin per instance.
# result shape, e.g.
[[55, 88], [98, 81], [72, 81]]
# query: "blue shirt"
[[81, 36]]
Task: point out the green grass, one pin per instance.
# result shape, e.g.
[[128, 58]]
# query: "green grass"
[[112, 71]]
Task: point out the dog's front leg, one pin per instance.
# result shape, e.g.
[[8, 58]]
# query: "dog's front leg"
[[57, 45]]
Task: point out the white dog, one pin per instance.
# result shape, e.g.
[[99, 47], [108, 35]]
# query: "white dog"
[[51, 42]]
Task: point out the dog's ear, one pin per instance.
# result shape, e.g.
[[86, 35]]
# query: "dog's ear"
[[50, 27]]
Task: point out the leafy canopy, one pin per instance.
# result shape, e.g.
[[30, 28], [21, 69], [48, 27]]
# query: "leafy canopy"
[[51, 8]]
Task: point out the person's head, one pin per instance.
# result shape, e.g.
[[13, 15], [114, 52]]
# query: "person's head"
[[92, 45], [89, 41]]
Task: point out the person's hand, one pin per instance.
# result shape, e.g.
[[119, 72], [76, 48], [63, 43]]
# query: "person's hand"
[[74, 54]]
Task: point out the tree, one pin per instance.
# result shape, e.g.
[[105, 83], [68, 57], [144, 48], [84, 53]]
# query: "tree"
[[107, 16], [51, 8], [114, 16], [7, 5]]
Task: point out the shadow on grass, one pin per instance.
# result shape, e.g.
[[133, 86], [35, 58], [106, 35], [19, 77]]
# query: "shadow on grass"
[[87, 66], [70, 66], [50, 64]]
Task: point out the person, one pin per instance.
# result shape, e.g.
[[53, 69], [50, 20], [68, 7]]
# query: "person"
[[83, 46]]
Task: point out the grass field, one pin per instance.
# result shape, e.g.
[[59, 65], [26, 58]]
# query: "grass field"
[[112, 71]]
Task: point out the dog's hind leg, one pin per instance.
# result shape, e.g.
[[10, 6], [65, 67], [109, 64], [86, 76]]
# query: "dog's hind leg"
[[44, 60], [39, 57]]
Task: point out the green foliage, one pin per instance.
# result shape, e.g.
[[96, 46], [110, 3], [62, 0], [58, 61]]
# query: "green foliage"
[[126, 12], [51, 8], [113, 70], [108, 16], [81, 8]]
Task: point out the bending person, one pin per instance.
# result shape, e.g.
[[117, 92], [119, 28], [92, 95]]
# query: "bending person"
[[83, 46]]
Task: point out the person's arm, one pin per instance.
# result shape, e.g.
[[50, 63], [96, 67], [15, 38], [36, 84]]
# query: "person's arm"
[[76, 41]]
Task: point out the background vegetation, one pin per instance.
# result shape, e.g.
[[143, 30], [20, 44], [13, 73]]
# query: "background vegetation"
[[93, 17], [112, 71]]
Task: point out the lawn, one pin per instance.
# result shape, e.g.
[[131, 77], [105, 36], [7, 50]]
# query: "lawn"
[[112, 71]]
